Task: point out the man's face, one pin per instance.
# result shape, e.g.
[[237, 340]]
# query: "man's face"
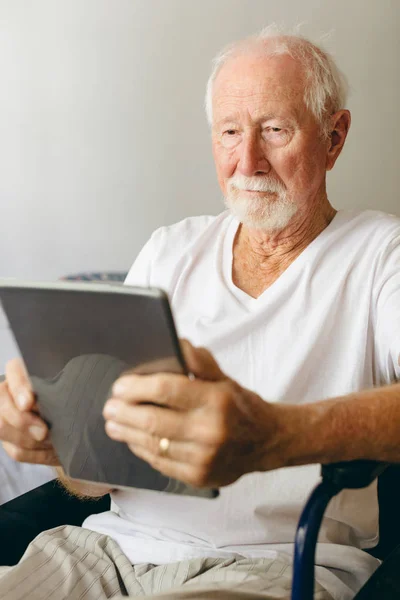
[[270, 156]]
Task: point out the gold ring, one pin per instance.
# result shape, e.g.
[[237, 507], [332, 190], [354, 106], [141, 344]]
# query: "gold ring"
[[163, 446]]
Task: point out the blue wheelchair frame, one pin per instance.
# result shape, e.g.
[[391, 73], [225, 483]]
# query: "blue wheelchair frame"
[[335, 477]]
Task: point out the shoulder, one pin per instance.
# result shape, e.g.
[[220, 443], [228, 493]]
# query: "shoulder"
[[171, 245], [373, 230], [372, 221], [378, 250], [186, 231]]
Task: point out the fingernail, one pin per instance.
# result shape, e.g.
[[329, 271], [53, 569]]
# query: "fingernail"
[[23, 400], [112, 429], [110, 410], [38, 433], [118, 388]]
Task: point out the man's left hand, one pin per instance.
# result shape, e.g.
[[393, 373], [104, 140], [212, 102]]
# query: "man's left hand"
[[217, 430]]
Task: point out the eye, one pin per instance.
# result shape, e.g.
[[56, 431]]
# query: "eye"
[[230, 138], [267, 130], [274, 135]]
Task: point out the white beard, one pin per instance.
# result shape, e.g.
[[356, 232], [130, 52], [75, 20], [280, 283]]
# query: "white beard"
[[271, 210]]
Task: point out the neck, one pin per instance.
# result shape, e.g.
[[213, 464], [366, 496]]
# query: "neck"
[[260, 256], [298, 234]]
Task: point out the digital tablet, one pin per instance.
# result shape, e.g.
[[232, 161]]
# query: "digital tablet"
[[76, 340]]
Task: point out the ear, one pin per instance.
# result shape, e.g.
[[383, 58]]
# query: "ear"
[[339, 128]]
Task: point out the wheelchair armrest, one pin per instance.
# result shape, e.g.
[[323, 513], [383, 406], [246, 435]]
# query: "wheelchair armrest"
[[45, 507], [335, 477], [354, 474]]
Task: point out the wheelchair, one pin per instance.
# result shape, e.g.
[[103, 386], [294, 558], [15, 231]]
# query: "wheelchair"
[[49, 505]]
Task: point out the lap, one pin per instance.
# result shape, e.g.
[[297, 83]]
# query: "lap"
[[66, 562], [77, 564], [230, 579]]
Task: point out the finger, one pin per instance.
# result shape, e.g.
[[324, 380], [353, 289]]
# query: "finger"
[[180, 451], [37, 457], [201, 362], [32, 438], [165, 389], [154, 420], [185, 472], [26, 423], [19, 384]]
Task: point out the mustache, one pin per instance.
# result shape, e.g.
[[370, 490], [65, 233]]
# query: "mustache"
[[255, 184]]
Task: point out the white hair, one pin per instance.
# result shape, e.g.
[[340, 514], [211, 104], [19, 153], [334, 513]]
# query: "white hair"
[[326, 87]]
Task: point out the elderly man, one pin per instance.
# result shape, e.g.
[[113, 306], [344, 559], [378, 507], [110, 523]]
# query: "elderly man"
[[299, 307]]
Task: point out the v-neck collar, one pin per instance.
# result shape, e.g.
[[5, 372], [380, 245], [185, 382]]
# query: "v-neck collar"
[[227, 263]]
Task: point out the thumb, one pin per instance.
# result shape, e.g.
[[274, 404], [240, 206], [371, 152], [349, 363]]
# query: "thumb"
[[19, 385], [201, 362]]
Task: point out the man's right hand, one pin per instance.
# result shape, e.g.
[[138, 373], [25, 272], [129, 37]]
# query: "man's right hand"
[[24, 435]]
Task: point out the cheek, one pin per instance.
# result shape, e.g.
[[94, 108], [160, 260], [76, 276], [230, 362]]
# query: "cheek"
[[300, 170], [287, 168], [225, 164]]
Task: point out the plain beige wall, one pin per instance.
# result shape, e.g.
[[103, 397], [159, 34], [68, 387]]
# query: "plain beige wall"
[[102, 131]]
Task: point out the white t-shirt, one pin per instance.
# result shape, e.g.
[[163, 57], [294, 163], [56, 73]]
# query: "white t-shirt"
[[330, 325]]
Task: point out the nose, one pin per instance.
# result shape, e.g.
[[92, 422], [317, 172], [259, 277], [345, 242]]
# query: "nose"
[[252, 160]]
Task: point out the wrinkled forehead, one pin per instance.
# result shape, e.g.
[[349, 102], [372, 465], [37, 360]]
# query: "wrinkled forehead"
[[254, 83]]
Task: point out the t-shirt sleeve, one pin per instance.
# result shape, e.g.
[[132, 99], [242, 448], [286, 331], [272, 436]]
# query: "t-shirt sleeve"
[[140, 272], [388, 310]]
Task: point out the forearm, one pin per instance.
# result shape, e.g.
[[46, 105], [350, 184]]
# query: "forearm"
[[80, 488], [362, 425]]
